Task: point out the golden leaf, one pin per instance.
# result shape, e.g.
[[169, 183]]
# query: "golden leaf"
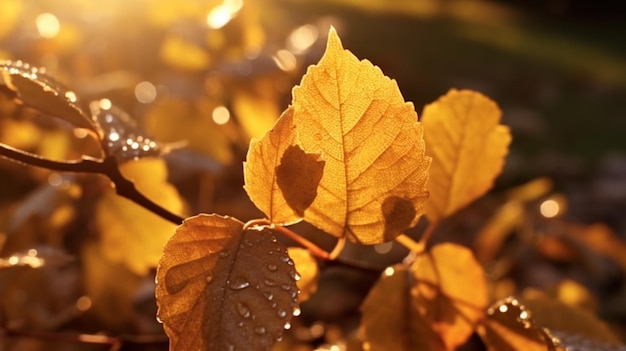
[[183, 54], [428, 306], [256, 110], [131, 234], [373, 185], [279, 177], [468, 147], [307, 268], [220, 287], [10, 10]]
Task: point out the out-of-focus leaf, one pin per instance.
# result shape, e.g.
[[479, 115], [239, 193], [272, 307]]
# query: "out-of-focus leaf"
[[374, 180], [306, 265], [557, 315], [509, 326], [531, 191], [129, 233], [468, 147], [119, 134], [10, 10], [220, 287], [429, 306], [177, 120], [256, 111], [183, 54], [492, 236], [600, 238], [280, 178], [34, 88]]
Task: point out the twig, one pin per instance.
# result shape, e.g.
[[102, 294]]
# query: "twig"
[[108, 166]]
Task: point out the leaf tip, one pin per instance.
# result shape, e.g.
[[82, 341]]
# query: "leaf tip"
[[334, 42]]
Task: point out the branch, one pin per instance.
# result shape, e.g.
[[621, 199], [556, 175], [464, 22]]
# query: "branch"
[[108, 166]]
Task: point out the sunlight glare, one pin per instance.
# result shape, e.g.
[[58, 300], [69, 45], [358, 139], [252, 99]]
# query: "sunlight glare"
[[221, 115], [301, 38], [145, 92], [549, 208], [219, 17], [48, 25], [285, 60]]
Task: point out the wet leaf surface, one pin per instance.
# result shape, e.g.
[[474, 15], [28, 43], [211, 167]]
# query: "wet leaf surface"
[[220, 287], [34, 88]]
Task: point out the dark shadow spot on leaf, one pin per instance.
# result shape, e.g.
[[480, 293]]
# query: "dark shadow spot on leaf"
[[398, 213], [298, 176]]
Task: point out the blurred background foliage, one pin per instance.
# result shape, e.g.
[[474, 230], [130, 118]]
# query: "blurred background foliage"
[[208, 75]]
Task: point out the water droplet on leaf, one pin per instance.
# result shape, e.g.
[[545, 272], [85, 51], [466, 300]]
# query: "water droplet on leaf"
[[259, 330], [243, 310], [272, 267], [268, 295], [281, 313], [238, 283], [269, 282]]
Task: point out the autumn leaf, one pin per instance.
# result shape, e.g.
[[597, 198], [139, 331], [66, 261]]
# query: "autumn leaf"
[[33, 87], [509, 326], [256, 108], [373, 185], [308, 271], [429, 306], [11, 11], [280, 178], [130, 234], [220, 287], [468, 147]]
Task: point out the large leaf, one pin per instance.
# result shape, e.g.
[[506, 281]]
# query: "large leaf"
[[280, 178], [34, 88], [431, 306], [468, 147], [130, 234], [373, 185], [220, 287]]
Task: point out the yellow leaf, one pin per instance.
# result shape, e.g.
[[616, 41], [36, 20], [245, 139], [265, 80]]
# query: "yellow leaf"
[[373, 185], [493, 235], [220, 287], [428, 306], [306, 265], [183, 54], [468, 147], [256, 111], [131, 234], [10, 10], [279, 177]]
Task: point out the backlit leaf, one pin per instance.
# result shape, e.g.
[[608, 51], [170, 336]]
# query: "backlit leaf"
[[280, 178], [34, 88], [431, 306], [308, 271], [468, 147], [256, 110], [509, 326], [129, 233], [184, 54], [220, 287], [373, 185]]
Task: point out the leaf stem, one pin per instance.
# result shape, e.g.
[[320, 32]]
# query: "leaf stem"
[[428, 233], [406, 241], [108, 166], [341, 243], [313, 249]]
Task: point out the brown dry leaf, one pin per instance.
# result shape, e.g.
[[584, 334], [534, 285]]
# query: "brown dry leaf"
[[279, 177], [220, 287], [433, 305], [557, 315], [129, 233], [468, 147], [373, 185], [509, 326], [308, 272], [177, 120]]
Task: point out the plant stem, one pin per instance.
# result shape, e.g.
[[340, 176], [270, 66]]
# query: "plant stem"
[[313, 249], [109, 167], [418, 247]]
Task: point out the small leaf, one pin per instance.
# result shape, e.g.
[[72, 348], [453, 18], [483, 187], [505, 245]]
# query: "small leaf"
[[119, 134], [280, 178], [371, 141], [220, 287], [509, 326], [308, 272], [429, 306], [468, 147], [34, 88], [129, 233]]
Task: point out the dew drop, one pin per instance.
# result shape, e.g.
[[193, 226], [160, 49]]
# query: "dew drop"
[[248, 243], [274, 239], [296, 311], [159, 320], [287, 325], [279, 338], [238, 283], [284, 258], [269, 282], [209, 279], [224, 254], [295, 275], [270, 252], [243, 310], [272, 267], [285, 287], [274, 304], [268, 295], [281, 313], [259, 330], [240, 324], [231, 347]]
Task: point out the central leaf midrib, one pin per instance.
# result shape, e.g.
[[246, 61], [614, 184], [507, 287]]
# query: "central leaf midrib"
[[343, 148]]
